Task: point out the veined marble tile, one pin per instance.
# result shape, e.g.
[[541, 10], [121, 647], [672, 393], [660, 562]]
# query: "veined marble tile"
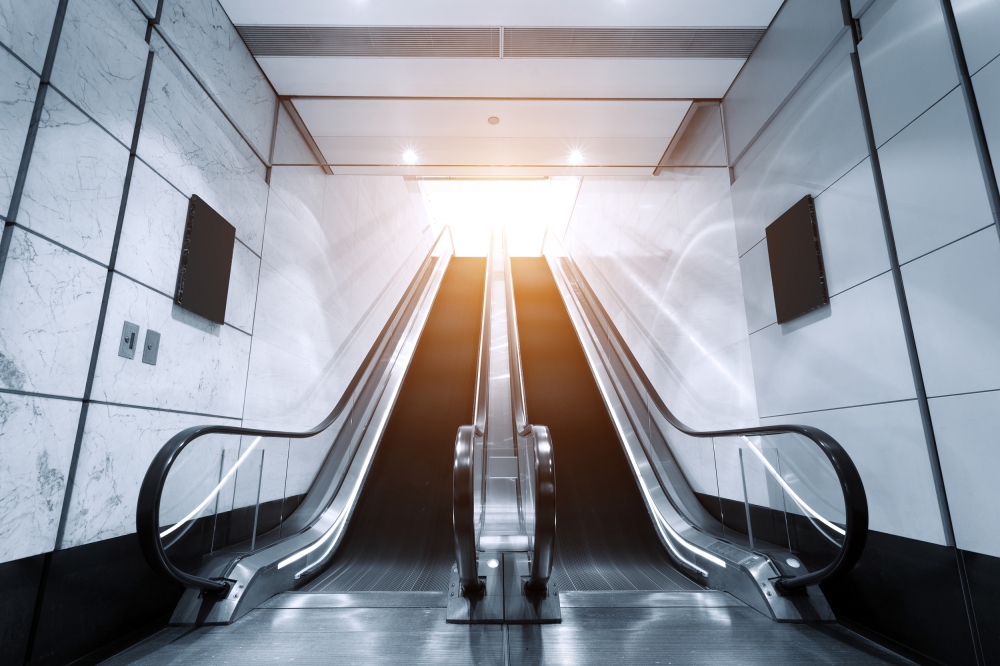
[[205, 38], [36, 445], [101, 62], [243, 279], [201, 366], [118, 445], [18, 89], [188, 141], [148, 7], [289, 146], [73, 190], [51, 300], [26, 27], [152, 231]]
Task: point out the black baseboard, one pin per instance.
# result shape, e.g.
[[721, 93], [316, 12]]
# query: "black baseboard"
[[984, 581], [94, 595], [19, 581]]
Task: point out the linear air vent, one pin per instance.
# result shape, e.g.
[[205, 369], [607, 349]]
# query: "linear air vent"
[[484, 42], [371, 42], [630, 42]]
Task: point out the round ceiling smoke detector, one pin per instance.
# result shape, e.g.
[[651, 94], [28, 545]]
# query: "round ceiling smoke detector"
[[493, 120]]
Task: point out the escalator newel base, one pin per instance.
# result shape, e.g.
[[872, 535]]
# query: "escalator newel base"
[[522, 606], [484, 608]]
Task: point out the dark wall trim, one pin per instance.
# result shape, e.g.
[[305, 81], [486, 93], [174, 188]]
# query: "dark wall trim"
[[911, 346], [307, 136], [972, 106]]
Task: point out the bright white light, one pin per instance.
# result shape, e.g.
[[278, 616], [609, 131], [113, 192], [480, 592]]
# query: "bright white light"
[[524, 207], [576, 156], [410, 156]]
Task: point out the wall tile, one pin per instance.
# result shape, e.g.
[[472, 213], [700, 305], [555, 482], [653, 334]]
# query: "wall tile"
[[18, 89], [289, 146], [850, 230], [758, 291], [966, 428], [148, 7], [36, 444], [242, 297], [118, 445], [849, 353], [73, 190], [188, 141], [955, 310], [205, 38], [815, 139], [26, 27], [152, 230], [886, 443], [987, 86], [907, 63], [201, 367], [51, 300], [103, 76], [933, 180], [978, 27]]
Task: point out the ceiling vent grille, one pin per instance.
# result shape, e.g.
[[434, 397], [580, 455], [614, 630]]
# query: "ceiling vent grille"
[[630, 42], [371, 42], [466, 42]]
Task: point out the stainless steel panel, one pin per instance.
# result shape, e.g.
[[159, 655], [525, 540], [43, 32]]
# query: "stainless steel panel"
[[907, 63], [699, 599], [129, 340], [955, 309], [979, 28], [304, 600], [987, 85], [933, 180]]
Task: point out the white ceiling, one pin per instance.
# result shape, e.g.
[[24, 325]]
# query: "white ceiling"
[[619, 113]]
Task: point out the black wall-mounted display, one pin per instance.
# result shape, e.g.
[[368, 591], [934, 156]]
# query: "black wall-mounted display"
[[797, 275], [206, 260]]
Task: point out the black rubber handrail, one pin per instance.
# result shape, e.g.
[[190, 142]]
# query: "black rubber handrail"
[[147, 517], [463, 514], [855, 498]]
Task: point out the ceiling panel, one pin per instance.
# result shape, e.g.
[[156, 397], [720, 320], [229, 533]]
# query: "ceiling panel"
[[407, 118], [638, 13], [681, 78]]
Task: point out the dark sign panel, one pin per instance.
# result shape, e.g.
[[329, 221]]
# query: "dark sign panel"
[[206, 260], [796, 262]]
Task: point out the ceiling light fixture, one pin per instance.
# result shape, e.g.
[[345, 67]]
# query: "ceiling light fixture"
[[410, 156], [493, 120], [576, 156]]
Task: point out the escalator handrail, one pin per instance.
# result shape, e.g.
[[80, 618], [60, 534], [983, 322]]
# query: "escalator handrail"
[[518, 401], [855, 498], [147, 520], [463, 513], [545, 511]]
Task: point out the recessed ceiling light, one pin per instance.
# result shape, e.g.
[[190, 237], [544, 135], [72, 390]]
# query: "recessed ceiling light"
[[493, 120], [576, 156], [410, 156]]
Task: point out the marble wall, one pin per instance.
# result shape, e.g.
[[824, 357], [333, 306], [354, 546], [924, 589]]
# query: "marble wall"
[[92, 239]]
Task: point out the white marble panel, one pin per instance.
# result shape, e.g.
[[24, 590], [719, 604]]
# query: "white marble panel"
[[661, 255], [814, 140], [187, 140], [933, 181], [118, 445], [978, 26], [205, 38], [36, 444], [18, 89], [101, 62], [242, 297], [851, 352], [201, 367], [987, 86], [967, 427], [152, 231], [955, 310], [26, 27], [758, 292], [73, 189], [51, 300], [148, 7], [851, 235], [907, 63], [886, 443]]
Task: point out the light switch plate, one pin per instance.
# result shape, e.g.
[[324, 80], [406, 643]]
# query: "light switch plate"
[[151, 347], [128, 341]]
